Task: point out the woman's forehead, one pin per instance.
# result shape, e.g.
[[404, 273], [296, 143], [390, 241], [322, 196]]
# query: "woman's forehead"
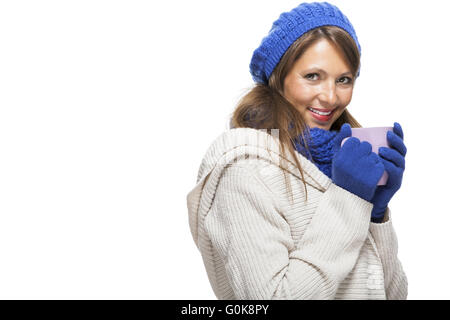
[[323, 56]]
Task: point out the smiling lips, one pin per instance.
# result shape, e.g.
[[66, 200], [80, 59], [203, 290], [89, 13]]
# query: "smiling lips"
[[321, 114]]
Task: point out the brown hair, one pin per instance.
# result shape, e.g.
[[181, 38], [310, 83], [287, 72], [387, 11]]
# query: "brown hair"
[[264, 106]]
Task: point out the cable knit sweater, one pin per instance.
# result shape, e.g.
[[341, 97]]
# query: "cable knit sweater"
[[256, 244]]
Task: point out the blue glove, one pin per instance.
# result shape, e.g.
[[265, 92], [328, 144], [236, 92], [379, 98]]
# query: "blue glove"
[[355, 167], [394, 162]]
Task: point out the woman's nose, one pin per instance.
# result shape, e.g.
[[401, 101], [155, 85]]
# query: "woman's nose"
[[328, 95]]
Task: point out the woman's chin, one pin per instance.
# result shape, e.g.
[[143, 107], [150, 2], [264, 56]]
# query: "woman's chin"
[[313, 124]]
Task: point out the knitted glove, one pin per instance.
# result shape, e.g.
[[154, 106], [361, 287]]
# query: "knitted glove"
[[394, 162], [355, 167]]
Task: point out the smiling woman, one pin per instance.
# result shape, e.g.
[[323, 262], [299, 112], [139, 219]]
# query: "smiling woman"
[[326, 232], [304, 77]]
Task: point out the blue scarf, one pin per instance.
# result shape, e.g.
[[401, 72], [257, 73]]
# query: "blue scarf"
[[320, 147]]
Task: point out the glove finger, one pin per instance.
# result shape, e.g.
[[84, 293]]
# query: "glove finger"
[[345, 132], [351, 144], [394, 174], [392, 155], [374, 158], [398, 130], [396, 142], [365, 148]]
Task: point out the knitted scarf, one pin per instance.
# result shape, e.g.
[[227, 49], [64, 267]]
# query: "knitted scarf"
[[320, 143]]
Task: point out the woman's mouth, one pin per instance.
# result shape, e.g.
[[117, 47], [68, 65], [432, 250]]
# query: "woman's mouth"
[[321, 114]]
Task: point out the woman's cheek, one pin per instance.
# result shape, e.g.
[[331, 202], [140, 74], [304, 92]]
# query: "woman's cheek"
[[304, 95]]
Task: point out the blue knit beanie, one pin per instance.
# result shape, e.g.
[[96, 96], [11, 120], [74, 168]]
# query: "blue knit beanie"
[[289, 27]]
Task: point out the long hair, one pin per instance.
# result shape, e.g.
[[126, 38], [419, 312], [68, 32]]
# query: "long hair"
[[265, 107]]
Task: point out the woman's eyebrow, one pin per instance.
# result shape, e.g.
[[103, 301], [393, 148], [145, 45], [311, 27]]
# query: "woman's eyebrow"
[[323, 71]]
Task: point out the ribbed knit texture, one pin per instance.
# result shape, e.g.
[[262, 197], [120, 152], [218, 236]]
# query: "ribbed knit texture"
[[288, 28], [320, 145], [256, 244]]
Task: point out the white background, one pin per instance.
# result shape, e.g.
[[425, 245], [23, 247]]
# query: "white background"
[[107, 108]]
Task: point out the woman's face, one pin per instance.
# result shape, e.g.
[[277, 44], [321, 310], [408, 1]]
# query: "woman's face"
[[321, 80]]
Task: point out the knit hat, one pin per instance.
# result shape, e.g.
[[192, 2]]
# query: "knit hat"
[[289, 27]]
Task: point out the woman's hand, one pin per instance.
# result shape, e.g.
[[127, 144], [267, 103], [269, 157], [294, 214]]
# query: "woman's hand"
[[393, 159], [355, 167]]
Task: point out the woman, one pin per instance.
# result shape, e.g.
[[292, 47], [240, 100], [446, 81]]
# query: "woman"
[[280, 209]]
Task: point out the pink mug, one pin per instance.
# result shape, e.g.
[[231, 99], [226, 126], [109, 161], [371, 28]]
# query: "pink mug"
[[377, 137]]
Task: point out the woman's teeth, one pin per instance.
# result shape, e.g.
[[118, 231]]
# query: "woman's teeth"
[[320, 112]]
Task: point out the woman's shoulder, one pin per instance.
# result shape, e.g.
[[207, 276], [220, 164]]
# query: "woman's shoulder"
[[237, 144], [258, 152], [232, 138]]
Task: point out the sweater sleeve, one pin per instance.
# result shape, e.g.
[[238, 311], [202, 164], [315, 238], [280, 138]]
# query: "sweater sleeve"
[[253, 239], [395, 280]]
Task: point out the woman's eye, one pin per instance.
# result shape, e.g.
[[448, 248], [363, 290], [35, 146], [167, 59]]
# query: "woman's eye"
[[349, 80], [309, 75]]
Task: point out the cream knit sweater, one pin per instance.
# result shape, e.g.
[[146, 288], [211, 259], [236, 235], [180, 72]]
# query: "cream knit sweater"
[[256, 244]]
